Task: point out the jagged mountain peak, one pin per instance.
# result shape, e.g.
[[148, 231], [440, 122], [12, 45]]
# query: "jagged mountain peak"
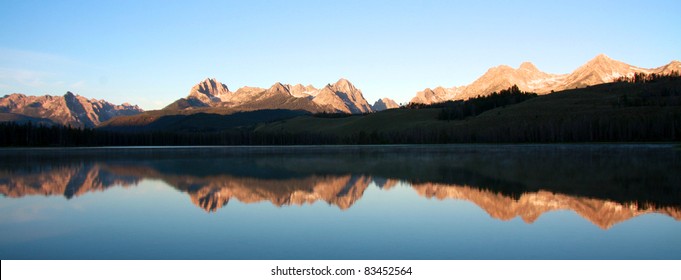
[[343, 81], [602, 56], [672, 67], [502, 67], [211, 86], [208, 81], [209, 91], [384, 104], [606, 66], [344, 85], [600, 69], [528, 66], [344, 97], [280, 88], [437, 94], [674, 64], [299, 90], [603, 59]]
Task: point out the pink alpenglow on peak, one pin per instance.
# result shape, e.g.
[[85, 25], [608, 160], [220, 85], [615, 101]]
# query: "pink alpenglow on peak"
[[69, 109], [384, 104], [342, 96], [601, 69]]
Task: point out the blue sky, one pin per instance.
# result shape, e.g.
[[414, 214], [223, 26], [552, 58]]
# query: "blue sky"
[[152, 52]]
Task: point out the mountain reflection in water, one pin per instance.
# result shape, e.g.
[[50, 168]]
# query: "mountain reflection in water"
[[605, 185]]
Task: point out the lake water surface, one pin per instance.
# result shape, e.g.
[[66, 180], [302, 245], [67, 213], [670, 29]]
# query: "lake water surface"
[[348, 202]]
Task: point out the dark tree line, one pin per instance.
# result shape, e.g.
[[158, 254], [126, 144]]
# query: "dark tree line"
[[29, 135], [338, 115], [327, 115], [461, 109], [665, 96], [660, 127], [640, 78]]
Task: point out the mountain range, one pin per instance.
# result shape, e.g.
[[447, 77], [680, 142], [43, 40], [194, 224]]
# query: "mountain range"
[[211, 106], [78, 111], [599, 70], [214, 97], [340, 97], [68, 110]]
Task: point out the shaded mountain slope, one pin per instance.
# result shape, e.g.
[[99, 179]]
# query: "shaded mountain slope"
[[203, 122]]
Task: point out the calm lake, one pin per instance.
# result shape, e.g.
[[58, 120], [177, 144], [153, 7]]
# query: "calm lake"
[[342, 202]]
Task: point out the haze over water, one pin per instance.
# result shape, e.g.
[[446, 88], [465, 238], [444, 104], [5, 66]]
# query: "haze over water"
[[347, 202]]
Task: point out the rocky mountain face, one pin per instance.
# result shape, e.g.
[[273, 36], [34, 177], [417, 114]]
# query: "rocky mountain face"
[[70, 109], [384, 104], [436, 95], [341, 97], [303, 91], [210, 91], [527, 77]]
